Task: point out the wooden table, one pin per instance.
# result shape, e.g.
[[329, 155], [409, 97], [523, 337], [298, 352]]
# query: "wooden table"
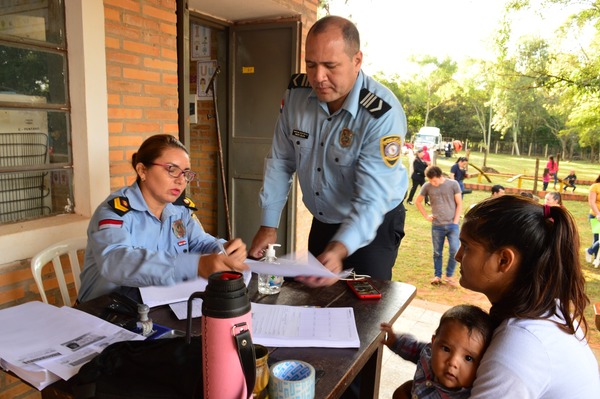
[[336, 368]]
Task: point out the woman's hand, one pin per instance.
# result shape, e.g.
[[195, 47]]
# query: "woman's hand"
[[236, 249], [233, 260]]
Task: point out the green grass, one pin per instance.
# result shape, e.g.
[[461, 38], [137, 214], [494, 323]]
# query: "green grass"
[[514, 165], [415, 262]]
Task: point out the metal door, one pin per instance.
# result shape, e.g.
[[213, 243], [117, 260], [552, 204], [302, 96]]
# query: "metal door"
[[262, 61]]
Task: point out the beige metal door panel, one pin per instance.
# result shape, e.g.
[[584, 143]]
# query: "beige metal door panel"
[[263, 58]]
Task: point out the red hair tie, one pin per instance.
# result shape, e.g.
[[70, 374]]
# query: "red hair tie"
[[547, 211]]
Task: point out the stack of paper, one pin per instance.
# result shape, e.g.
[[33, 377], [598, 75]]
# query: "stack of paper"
[[297, 326], [41, 343]]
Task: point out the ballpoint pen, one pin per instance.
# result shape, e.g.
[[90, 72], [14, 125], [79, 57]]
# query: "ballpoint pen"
[[221, 247]]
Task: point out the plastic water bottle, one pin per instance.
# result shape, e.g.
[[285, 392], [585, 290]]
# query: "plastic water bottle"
[[269, 284]]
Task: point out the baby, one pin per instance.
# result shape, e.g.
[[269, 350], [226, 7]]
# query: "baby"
[[446, 367]]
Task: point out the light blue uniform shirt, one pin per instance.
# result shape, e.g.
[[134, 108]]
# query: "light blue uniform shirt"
[[136, 249], [348, 164]]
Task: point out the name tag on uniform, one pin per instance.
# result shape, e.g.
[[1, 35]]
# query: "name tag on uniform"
[[300, 134]]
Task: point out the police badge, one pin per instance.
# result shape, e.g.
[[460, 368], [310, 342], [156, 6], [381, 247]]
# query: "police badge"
[[390, 149], [178, 228], [346, 137]]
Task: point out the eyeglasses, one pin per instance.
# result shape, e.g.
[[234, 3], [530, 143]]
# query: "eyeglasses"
[[175, 171]]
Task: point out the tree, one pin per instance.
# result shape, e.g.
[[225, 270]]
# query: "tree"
[[477, 87], [437, 79]]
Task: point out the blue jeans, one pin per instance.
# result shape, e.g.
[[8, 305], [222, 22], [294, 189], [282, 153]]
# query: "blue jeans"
[[461, 184], [438, 236], [593, 250]]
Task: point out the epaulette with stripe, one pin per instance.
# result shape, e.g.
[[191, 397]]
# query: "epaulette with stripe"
[[375, 105], [185, 201], [120, 205], [299, 80]]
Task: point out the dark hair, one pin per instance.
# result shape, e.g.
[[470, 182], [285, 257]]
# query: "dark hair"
[[526, 194], [556, 195], [472, 317], [549, 274], [496, 188], [597, 179], [349, 31], [433, 171], [460, 159], [152, 148], [546, 170]]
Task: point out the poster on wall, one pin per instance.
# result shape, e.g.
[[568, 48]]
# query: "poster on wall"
[[206, 69], [193, 110], [200, 42]]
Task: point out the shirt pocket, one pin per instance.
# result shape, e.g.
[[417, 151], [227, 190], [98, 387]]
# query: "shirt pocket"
[[303, 151], [343, 157], [181, 246]]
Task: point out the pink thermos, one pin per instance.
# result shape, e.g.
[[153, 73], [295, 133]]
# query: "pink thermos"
[[228, 358]]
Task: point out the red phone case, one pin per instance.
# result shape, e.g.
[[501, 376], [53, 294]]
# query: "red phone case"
[[363, 289]]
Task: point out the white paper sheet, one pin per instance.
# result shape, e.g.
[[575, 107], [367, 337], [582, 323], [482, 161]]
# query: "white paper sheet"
[[294, 265], [180, 309], [295, 326], [40, 342], [164, 295]]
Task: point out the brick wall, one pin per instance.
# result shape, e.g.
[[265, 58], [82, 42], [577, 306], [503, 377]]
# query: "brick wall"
[[141, 63]]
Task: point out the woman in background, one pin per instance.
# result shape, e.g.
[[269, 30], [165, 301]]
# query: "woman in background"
[[591, 254], [552, 166]]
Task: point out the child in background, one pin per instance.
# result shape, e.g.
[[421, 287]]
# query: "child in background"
[[546, 178], [447, 365], [570, 181]]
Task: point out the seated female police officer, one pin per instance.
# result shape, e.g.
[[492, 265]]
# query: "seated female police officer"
[[146, 234]]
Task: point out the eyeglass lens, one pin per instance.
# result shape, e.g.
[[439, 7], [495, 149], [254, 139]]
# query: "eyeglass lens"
[[176, 171]]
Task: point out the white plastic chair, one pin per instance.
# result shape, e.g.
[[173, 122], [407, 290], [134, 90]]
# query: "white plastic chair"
[[52, 254]]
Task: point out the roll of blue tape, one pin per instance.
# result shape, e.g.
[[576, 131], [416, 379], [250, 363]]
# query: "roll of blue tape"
[[292, 379]]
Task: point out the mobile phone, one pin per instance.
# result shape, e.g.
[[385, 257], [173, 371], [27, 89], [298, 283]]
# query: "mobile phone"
[[363, 289]]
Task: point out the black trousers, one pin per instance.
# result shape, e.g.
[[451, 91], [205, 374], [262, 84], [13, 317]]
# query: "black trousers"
[[377, 258], [415, 183]]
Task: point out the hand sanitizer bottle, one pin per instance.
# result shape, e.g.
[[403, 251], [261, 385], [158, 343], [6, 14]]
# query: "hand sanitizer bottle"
[[269, 284]]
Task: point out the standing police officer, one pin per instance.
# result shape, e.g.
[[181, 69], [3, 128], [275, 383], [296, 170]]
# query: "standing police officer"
[[342, 133]]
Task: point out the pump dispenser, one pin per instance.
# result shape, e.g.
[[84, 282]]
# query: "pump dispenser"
[[270, 253], [269, 284]]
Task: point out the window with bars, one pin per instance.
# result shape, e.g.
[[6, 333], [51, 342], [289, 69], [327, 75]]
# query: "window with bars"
[[36, 166]]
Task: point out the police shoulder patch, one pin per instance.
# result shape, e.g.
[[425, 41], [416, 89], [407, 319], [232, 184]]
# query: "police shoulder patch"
[[375, 105], [299, 80], [390, 149], [187, 202], [120, 205]]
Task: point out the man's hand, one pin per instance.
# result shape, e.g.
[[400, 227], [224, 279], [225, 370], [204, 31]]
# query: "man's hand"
[[264, 236], [332, 258]]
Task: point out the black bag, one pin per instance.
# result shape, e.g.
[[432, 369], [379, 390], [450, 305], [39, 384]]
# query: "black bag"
[[151, 369]]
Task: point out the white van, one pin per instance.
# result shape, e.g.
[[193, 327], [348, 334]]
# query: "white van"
[[429, 136]]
